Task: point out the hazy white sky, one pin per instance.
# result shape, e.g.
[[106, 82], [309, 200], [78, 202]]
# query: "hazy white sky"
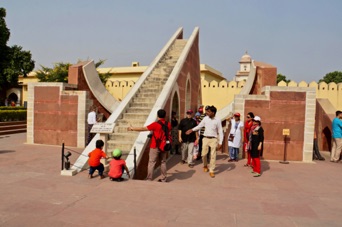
[[302, 38]]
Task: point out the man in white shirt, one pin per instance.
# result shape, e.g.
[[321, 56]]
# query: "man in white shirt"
[[213, 137], [91, 121]]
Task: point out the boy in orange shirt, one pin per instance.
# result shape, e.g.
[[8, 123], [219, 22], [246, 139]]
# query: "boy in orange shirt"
[[117, 167], [94, 159]]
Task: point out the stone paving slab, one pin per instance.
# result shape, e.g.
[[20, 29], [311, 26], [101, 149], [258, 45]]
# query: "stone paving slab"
[[33, 193]]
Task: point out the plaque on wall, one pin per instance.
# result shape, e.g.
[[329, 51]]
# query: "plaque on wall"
[[286, 132], [102, 127]]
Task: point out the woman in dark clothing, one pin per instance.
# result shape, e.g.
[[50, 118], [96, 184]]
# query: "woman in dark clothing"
[[256, 145], [174, 134]]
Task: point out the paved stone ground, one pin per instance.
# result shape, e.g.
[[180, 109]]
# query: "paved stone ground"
[[33, 193]]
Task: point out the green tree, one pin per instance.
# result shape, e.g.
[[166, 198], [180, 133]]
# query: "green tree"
[[20, 63], [14, 61], [281, 77], [335, 76], [59, 73]]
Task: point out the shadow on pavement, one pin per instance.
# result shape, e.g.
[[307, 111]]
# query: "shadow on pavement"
[[265, 166], [6, 151], [179, 175]]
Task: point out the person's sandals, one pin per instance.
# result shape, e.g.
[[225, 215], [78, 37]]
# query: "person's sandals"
[[160, 180], [191, 165], [246, 165], [257, 175]]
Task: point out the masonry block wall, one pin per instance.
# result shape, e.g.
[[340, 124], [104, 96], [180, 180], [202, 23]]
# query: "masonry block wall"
[[285, 109], [56, 114], [282, 111]]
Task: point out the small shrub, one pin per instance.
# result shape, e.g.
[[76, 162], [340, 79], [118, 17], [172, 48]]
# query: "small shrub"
[[13, 115]]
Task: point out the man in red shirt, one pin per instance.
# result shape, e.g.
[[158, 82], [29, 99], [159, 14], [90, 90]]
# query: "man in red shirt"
[[157, 130], [94, 159]]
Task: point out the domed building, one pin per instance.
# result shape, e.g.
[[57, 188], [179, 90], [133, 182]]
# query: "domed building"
[[245, 67]]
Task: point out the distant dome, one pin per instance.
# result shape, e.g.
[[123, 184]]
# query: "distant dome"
[[246, 58]]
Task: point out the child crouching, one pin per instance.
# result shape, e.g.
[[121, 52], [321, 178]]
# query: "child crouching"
[[94, 159], [117, 167]]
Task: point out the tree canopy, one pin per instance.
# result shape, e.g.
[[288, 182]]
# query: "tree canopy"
[[59, 73], [335, 77], [281, 77], [14, 61]]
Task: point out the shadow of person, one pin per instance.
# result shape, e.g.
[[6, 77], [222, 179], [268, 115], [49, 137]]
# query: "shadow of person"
[[6, 151], [179, 175], [224, 167], [265, 166], [221, 156]]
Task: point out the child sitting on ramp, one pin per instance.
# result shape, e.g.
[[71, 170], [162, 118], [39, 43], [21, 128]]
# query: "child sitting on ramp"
[[117, 167]]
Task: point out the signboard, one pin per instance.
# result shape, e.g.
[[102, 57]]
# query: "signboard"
[[102, 127], [286, 132]]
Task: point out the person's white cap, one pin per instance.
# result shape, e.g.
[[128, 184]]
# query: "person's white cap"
[[256, 118]]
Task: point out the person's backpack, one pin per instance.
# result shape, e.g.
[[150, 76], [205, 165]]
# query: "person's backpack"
[[164, 142]]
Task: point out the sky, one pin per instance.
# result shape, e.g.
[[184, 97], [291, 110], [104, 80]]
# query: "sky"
[[302, 38]]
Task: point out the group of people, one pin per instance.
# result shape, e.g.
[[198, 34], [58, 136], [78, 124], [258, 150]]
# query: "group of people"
[[201, 136], [197, 136], [188, 139], [206, 130], [251, 134]]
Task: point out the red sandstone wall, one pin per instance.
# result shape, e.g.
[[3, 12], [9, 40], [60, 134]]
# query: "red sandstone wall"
[[285, 110], [76, 77], [266, 75], [55, 117], [192, 67]]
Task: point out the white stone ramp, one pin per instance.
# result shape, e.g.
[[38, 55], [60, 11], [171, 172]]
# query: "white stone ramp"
[[98, 89]]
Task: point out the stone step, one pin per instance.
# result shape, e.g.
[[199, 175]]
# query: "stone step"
[[163, 69], [147, 95], [133, 122], [157, 79], [12, 127], [138, 110], [153, 83], [142, 104], [128, 136], [117, 144], [149, 89], [121, 128], [143, 100], [6, 123], [137, 116], [12, 131]]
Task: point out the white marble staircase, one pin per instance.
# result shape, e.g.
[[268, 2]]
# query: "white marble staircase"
[[141, 104]]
